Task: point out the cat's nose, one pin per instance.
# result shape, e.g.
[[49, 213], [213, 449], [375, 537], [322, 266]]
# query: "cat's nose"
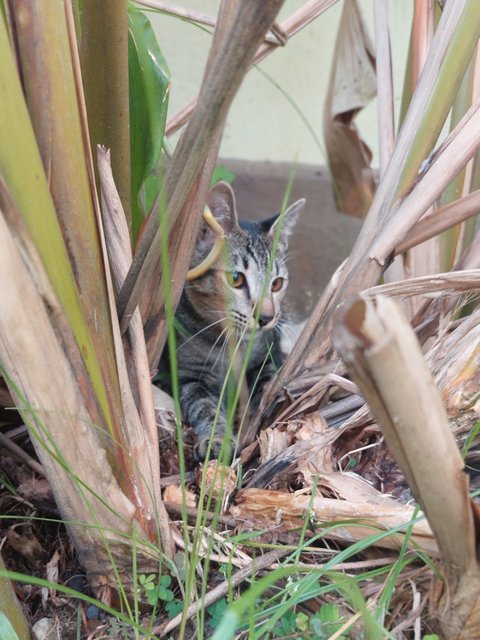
[[264, 319]]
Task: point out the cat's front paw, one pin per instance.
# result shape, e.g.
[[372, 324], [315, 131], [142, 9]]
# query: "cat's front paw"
[[214, 447]]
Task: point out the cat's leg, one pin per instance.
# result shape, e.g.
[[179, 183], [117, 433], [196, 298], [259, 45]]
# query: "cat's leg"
[[266, 364], [257, 380], [200, 408]]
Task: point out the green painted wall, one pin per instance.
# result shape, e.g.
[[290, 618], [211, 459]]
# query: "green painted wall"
[[263, 125]]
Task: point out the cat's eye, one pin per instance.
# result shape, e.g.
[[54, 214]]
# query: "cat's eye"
[[277, 284], [235, 278]]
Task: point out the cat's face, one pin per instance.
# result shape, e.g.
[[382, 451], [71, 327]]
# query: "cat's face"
[[245, 287]]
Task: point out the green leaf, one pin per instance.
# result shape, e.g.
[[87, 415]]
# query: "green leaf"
[[302, 621], [216, 611], [222, 173], [149, 80], [165, 581], [173, 608], [7, 632], [152, 597], [166, 595], [329, 613]]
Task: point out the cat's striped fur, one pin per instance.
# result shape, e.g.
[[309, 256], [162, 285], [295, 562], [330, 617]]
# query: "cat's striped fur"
[[223, 307]]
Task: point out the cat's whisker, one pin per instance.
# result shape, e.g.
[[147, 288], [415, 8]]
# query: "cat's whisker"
[[222, 333], [285, 328], [209, 326], [288, 335], [223, 348]]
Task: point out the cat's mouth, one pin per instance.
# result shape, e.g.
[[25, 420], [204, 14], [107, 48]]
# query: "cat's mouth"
[[247, 325]]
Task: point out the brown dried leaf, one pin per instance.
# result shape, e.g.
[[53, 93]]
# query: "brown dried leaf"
[[27, 545], [219, 479], [455, 360], [350, 486], [272, 442], [36, 490], [175, 494], [317, 460], [352, 86]]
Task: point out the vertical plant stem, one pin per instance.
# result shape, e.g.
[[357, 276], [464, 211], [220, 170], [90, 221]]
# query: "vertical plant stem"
[[385, 117], [10, 606], [463, 18], [423, 27], [104, 60], [454, 41], [451, 240], [21, 165], [52, 100], [233, 53]]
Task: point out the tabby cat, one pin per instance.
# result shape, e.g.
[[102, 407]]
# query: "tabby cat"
[[225, 306]]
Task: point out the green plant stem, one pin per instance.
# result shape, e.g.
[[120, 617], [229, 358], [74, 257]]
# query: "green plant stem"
[[104, 60], [10, 606], [455, 60]]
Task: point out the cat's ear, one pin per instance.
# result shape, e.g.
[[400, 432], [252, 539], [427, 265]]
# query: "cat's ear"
[[221, 202], [287, 222]]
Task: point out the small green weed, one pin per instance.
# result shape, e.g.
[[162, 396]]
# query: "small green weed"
[[323, 624], [216, 611], [160, 594]]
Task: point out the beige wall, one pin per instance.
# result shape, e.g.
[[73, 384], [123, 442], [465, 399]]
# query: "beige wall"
[[262, 124]]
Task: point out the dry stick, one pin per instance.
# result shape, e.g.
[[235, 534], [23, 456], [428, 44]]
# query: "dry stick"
[[458, 148], [179, 12], [369, 254], [22, 455], [384, 358], [449, 283], [134, 374], [258, 564], [426, 259], [117, 238], [423, 29], [292, 25], [181, 245], [440, 220], [345, 566], [195, 16], [361, 270], [385, 110], [225, 71], [385, 122]]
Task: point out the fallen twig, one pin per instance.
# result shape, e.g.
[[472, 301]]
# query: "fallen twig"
[[257, 564]]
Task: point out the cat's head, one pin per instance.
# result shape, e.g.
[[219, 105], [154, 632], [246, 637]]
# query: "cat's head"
[[247, 283]]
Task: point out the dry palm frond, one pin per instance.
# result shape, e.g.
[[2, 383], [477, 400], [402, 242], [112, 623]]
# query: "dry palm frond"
[[384, 358]]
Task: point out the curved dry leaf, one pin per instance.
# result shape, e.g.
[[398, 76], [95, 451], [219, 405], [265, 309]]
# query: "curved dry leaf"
[[352, 86]]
